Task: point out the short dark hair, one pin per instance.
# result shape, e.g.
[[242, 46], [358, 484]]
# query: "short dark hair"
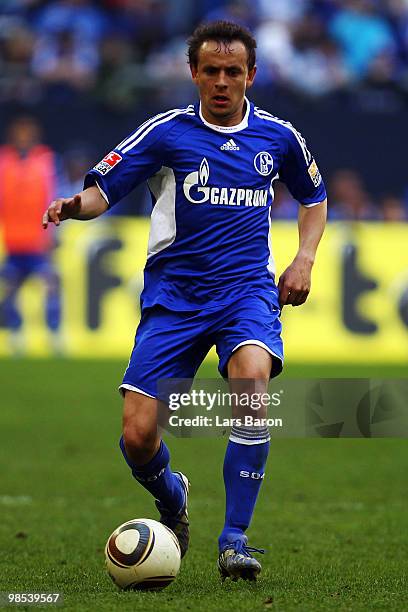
[[222, 32]]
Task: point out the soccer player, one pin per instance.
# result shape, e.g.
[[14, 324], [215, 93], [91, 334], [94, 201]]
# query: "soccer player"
[[28, 171], [209, 277]]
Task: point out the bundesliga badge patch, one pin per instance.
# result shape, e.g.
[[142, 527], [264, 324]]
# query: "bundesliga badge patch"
[[314, 174], [108, 162]]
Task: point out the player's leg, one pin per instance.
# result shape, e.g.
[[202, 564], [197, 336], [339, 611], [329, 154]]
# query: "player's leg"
[[12, 275], [244, 464], [43, 267], [165, 348], [149, 459], [53, 300], [146, 454], [250, 350]]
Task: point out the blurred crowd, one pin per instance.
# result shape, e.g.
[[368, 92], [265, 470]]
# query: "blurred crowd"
[[118, 54], [77, 73], [349, 200], [349, 197], [110, 50]]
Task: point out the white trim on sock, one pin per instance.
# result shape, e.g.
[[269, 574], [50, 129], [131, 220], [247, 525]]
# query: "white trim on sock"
[[247, 442]]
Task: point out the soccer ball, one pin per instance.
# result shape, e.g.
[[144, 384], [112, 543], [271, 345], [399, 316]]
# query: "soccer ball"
[[142, 554]]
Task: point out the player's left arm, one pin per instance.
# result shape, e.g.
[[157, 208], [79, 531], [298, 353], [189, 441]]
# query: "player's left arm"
[[301, 175], [295, 282]]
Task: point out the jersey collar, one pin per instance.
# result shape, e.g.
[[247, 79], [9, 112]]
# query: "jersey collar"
[[231, 128]]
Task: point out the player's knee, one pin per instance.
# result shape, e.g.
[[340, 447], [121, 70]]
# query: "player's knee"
[[250, 362], [250, 371], [139, 421], [138, 440], [139, 432], [254, 373]]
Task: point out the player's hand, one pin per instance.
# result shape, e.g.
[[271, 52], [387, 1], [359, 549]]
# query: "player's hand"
[[294, 284], [61, 209]]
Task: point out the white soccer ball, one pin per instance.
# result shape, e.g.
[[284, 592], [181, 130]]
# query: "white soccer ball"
[[142, 554]]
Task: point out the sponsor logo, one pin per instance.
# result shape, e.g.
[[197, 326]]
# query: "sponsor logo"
[[253, 475], [230, 145], [314, 174], [108, 162], [197, 191], [263, 163]]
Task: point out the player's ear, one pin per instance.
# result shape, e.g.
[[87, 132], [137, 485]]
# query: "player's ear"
[[251, 77], [194, 71]]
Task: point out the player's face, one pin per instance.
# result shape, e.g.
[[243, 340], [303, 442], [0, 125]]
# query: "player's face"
[[24, 134], [222, 77]]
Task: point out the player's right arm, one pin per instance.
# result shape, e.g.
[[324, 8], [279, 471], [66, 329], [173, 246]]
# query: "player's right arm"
[[88, 204], [135, 159]]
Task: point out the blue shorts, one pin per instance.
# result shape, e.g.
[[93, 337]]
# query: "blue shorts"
[[173, 344], [17, 267]]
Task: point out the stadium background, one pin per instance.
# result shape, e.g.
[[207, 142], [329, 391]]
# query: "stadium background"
[[126, 60], [90, 72]]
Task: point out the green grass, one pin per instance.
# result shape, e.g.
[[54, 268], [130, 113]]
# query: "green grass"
[[332, 513]]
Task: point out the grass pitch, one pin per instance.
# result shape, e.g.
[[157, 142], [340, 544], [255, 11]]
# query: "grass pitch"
[[332, 513]]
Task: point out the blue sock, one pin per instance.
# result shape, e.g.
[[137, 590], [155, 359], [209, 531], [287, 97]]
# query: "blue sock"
[[244, 469], [157, 477]]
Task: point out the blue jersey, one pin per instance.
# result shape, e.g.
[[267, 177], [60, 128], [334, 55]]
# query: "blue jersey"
[[212, 191]]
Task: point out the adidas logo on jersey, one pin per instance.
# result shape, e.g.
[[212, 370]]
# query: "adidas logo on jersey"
[[229, 146]]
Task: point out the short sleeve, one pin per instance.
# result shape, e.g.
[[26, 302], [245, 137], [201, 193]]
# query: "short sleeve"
[[134, 160], [300, 173]]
